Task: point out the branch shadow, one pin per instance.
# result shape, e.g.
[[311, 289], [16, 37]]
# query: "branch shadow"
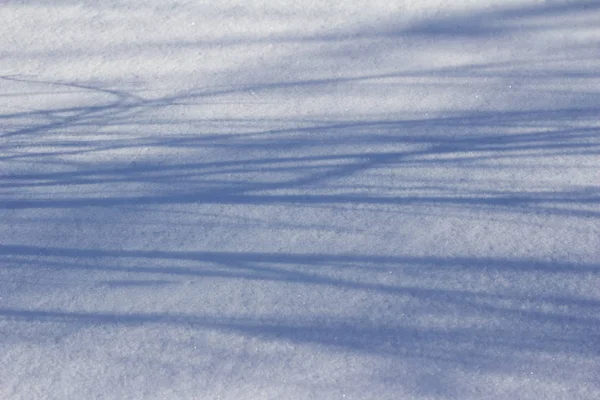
[[472, 160]]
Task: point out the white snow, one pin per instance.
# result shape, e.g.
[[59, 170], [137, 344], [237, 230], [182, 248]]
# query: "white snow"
[[300, 200]]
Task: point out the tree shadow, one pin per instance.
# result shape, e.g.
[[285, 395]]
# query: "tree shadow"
[[114, 148], [532, 321]]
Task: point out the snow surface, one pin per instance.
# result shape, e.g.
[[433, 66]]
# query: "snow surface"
[[299, 200]]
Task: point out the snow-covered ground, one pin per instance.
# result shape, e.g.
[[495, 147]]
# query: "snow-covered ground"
[[299, 200]]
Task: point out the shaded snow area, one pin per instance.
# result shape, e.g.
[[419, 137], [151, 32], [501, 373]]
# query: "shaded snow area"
[[300, 200]]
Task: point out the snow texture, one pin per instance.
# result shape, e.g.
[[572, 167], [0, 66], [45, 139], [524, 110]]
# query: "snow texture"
[[300, 200]]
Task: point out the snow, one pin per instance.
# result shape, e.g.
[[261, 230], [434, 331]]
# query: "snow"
[[288, 200]]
